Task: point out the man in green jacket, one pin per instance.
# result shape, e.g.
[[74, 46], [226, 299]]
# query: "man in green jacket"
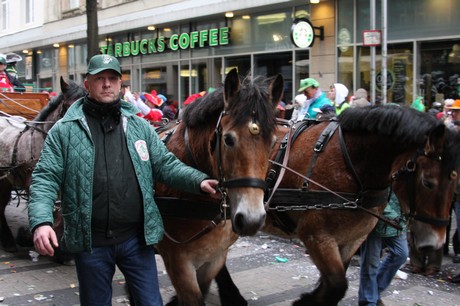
[[105, 160]]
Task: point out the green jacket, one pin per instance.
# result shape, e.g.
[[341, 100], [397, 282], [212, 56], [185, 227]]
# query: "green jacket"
[[66, 165], [393, 212]]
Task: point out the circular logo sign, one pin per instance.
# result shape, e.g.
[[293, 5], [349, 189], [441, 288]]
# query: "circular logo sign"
[[344, 39], [302, 33], [390, 80]]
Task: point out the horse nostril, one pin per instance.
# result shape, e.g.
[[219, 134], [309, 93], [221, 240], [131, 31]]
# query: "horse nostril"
[[242, 227]]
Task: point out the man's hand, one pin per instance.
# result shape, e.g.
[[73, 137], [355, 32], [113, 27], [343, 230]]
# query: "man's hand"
[[209, 186], [45, 240]]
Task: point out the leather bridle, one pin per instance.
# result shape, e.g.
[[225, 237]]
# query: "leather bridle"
[[408, 172]]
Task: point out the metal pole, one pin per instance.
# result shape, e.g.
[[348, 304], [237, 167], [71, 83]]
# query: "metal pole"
[[372, 59], [384, 52]]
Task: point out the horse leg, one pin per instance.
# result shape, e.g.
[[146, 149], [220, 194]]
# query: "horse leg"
[[6, 236], [228, 292], [182, 274], [333, 284]]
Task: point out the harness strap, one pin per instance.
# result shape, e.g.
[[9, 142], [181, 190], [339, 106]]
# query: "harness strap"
[[347, 158], [321, 143], [184, 208], [283, 168]]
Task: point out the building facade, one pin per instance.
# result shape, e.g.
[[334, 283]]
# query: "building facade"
[[180, 47]]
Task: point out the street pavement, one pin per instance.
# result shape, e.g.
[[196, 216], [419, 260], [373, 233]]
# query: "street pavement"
[[267, 270]]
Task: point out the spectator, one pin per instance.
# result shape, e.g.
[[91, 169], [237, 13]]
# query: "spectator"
[[376, 274], [300, 108], [316, 98], [360, 98], [103, 160], [418, 104], [9, 82], [338, 95]]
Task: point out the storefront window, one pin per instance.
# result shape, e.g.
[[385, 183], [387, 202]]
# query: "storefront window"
[[45, 63], [399, 72], [242, 63], [153, 78], [302, 68], [346, 67], [276, 63], [419, 19], [439, 71]]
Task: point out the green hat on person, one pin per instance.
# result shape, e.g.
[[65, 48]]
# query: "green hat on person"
[[102, 62], [2, 60], [305, 83]]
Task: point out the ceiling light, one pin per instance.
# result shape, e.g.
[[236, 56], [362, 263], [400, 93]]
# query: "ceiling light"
[[151, 28], [246, 17], [167, 29], [314, 1], [229, 15], [25, 51], [71, 46], [56, 45]]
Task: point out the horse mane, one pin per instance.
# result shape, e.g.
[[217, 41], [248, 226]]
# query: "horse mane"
[[72, 92], [404, 125], [252, 101]]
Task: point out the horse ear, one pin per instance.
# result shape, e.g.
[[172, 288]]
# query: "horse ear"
[[231, 85], [64, 85], [276, 89], [434, 145]]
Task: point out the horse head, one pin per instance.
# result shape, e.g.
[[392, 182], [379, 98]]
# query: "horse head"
[[231, 132], [425, 182], [30, 142]]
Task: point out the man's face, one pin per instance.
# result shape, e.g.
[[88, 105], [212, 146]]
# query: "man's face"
[[456, 114], [310, 92], [104, 87], [2, 67], [331, 93]]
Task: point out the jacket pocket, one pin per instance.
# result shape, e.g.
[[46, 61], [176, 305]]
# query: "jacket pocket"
[[72, 239]]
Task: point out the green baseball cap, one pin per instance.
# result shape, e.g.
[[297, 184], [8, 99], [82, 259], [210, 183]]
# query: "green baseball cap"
[[101, 62], [2, 60], [305, 83]]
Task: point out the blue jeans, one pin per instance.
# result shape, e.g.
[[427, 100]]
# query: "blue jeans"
[[457, 215], [135, 260], [376, 275]]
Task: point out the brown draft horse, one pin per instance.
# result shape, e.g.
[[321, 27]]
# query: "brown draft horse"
[[337, 182], [424, 181], [228, 134], [20, 148]]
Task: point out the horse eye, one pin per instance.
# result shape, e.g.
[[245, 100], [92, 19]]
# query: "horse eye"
[[229, 140]]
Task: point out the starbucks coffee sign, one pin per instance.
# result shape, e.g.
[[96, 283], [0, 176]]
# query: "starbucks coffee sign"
[[302, 33], [196, 39]]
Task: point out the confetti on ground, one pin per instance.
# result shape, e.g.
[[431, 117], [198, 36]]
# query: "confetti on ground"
[[281, 259]]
